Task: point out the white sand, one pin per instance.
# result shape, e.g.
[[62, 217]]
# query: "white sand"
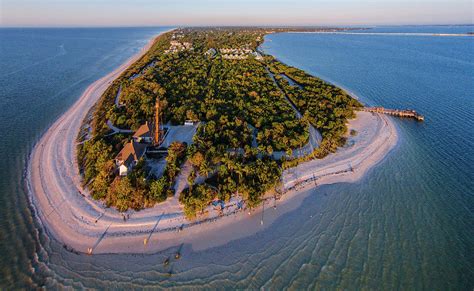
[[69, 214]]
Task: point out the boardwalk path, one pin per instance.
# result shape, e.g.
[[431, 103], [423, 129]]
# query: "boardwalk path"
[[314, 135]]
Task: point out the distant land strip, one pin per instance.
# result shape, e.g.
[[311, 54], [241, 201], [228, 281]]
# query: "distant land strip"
[[389, 33]]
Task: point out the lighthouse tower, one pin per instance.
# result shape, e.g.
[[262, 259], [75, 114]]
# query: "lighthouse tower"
[[157, 134]]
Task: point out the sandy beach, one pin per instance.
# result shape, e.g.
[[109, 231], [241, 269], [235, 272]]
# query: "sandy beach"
[[71, 216]]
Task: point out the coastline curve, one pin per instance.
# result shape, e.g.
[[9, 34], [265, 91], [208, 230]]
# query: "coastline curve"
[[76, 220]]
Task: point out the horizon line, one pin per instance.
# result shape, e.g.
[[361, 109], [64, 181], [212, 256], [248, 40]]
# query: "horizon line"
[[230, 26]]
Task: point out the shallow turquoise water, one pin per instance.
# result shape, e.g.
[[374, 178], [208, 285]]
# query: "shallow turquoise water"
[[406, 225]]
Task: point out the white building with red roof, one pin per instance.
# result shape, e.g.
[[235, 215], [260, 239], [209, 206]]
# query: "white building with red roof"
[[129, 156]]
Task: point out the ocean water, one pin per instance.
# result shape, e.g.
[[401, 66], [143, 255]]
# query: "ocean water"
[[43, 71], [408, 224]]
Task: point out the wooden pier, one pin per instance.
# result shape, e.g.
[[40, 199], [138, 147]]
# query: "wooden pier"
[[395, 112]]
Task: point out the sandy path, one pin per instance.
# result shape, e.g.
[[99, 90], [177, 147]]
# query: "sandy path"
[[73, 218]]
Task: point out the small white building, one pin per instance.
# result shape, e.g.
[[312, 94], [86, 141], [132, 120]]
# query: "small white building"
[[257, 56], [211, 52], [129, 156], [190, 122]]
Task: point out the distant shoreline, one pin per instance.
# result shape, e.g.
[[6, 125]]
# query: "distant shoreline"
[[386, 33], [76, 220]]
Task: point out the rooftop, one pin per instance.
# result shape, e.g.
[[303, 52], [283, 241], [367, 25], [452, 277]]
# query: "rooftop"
[[132, 151], [144, 131]]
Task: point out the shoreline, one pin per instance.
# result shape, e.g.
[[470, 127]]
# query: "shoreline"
[[53, 183], [386, 33]]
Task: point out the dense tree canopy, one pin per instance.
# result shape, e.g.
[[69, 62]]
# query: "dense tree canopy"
[[244, 117]]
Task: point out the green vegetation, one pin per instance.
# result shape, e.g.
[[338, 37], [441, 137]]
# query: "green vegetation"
[[138, 98], [244, 115], [196, 199], [324, 105]]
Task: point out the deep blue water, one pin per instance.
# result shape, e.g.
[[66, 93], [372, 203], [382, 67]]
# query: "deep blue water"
[[407, 225]]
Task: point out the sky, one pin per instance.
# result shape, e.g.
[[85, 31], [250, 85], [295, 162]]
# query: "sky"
[[60, 13]]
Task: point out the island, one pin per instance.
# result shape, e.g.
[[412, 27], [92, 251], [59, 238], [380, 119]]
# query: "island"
[[200, 125], [204, 106]]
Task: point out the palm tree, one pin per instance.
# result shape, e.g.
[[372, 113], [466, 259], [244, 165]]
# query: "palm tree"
[[205, 169], [239, 170]]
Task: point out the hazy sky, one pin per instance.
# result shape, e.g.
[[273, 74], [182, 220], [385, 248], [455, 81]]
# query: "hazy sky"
[[235, 12]]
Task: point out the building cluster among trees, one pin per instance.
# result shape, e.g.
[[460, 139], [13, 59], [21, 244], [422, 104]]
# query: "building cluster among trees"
[[177, 46]]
